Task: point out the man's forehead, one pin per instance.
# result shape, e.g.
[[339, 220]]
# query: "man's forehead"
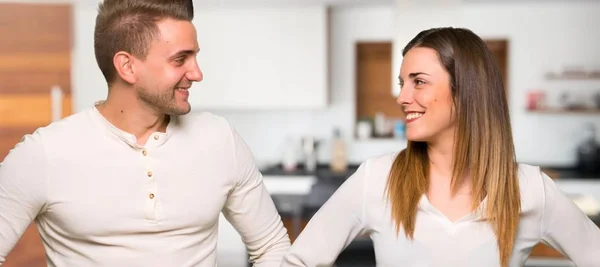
[[176, 30], [175, 36]]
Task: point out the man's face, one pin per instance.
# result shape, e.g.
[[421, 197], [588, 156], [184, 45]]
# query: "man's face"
[[170, 68]]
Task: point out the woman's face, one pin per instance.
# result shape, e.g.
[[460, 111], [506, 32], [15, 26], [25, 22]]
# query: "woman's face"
[[426, 97]]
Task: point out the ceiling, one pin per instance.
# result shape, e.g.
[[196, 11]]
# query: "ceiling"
[[300, 2]]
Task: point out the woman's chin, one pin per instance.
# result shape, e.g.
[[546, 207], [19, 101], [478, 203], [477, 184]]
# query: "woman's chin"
[[416, 137]]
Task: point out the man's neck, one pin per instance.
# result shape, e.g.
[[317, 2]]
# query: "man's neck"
[[124, 111]]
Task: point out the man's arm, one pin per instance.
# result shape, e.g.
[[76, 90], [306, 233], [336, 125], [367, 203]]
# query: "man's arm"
[[22, 191], [250, 209]]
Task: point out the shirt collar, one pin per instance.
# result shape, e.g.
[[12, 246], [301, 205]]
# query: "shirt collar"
[[154, 140], [478, 214]]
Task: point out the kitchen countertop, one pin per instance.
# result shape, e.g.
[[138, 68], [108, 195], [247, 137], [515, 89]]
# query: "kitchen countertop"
[[569, 173], [322, 171], [556, 172]]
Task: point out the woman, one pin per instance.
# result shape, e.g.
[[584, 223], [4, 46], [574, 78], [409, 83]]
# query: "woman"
[[455, 196]]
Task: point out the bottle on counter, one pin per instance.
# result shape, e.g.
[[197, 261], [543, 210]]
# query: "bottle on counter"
[[290, 155], [338, 153]]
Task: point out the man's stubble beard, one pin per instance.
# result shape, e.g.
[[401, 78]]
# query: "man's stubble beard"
[[163, 101]]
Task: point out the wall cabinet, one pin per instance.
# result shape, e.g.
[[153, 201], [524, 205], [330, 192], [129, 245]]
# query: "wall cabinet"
[[261, 58], [252, 58]]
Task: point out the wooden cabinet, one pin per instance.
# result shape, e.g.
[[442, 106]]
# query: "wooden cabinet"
[[34, 57], [261, 58]]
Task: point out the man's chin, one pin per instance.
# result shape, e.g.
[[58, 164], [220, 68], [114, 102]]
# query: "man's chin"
[[179, 110]]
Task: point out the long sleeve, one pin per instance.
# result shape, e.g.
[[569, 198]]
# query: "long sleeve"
[[567, 229], [333, 227], [251, 211], [22, 191]]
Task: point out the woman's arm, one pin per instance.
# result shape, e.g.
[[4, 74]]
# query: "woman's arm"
[[333, 227], [567, 229]]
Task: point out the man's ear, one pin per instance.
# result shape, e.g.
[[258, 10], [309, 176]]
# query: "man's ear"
[[123, 62]]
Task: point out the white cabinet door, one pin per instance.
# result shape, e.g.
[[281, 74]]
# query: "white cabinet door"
[[261, 58]]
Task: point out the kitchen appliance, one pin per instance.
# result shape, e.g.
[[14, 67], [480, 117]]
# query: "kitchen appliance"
[[309, 147], [588, 151]]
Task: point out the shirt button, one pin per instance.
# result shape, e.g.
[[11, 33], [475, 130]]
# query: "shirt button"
[[149, 174], [144, 152], [156, 137], [151, 196]]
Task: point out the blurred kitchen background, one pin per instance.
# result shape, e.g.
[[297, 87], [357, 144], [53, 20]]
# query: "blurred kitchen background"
[[311, 85]]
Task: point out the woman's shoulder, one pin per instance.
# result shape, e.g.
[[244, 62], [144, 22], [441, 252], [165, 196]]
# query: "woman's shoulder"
[[530, 177], [376, 170], [381, 161], [532, 185]]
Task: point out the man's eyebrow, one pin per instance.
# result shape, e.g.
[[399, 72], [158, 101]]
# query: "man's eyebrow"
[[184, 53]]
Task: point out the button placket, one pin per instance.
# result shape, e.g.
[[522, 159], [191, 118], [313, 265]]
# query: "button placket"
[[150, 182]]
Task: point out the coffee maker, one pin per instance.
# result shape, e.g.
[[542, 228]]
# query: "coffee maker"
[[588, 152]]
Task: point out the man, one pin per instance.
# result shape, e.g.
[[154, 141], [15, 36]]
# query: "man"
[[134, 181]]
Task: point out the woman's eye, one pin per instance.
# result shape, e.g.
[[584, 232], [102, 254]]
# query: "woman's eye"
[[419, 82]]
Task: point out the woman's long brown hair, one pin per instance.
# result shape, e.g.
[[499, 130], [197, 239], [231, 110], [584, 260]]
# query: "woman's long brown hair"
[[483, 140]]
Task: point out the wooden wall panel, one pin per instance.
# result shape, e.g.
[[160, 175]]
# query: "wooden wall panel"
[[35, 28], [35, 56], [35, 62], [22, 110], [18, 82], [374, 81]]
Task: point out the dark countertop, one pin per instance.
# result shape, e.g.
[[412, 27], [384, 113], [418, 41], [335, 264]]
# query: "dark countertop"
[[322, 172], [569, 173]]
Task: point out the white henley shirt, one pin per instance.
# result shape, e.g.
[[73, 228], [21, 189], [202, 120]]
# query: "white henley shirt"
[[99, 199]]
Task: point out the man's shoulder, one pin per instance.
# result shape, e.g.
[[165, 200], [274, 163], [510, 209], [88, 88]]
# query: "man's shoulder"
[[203, 121], [57, 133], [62, 130]]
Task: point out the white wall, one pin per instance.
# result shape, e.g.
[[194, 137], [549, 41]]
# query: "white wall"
[[543, 37], [88, 83], [268, 132]]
